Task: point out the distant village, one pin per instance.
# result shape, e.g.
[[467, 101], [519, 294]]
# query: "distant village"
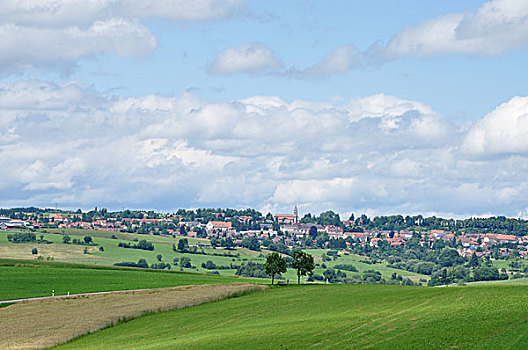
[[287, 229]]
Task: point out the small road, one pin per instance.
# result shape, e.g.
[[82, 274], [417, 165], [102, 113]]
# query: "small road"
[[73, 295]]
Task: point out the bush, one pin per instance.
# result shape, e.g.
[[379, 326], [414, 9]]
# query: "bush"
[[314, 277], [346, 267], [142, 263], [185, 262], [335, 277], [160, 266], [22, 237], [143, 244], [371, 276], [252, 269], [34, 251]]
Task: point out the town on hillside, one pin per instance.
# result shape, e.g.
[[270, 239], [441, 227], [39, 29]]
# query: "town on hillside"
[[432, 246]]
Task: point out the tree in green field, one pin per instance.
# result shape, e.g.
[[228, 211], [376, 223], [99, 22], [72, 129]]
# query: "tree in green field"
[[159, 257], [303, 263], [87, 239], [275, 265], [142, 263], [185, 262], [66, 239], [183, 244]]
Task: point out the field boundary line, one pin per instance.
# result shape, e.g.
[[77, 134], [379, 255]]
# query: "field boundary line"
[[82, 294]]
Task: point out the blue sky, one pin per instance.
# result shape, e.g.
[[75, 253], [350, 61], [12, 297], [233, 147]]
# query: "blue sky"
[[366, 106], [301, 33]]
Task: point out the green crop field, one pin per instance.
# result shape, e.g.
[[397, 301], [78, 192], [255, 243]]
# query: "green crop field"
[[24, 279], [332, 317]]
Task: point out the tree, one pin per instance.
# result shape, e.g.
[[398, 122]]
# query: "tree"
[[473, 261], [183, 244], [275, 265], [66, 239], [34, 251], [142, 263], [87, 239], [312, 232], [303, 263], [185, 262], [159, 257]]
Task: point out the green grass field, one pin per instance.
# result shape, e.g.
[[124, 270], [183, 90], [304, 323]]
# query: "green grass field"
[[163, 246], [25, 279], [335, 316]]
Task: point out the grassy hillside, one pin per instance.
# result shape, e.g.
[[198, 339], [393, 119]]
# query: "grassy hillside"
[[362, 263], [162, 245], [335, 316], [24, 279]]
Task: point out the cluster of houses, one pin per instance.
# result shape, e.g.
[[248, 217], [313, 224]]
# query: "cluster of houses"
[[7, 223], [289, 225]]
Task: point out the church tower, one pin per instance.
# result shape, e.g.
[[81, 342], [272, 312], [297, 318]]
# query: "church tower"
[[296, 215]]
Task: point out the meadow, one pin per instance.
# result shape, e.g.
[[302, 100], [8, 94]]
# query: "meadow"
[[163, 246], [24, 279], [363, 263], [335, 316]]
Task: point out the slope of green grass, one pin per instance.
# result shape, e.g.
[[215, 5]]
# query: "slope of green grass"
[[361, 265], [163, 245], [335, 317], [25, 279]]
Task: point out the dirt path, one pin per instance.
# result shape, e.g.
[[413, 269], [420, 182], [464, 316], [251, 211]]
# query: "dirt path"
[[47, 321]]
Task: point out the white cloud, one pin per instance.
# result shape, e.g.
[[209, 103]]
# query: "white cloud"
[[78, 148], [339, 61], [504, 130], [183, 10], [65, 13], [26, 47], [254, 58], [495, 27], [59, 33]]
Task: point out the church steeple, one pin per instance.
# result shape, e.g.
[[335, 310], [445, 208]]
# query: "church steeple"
[[296, 215]]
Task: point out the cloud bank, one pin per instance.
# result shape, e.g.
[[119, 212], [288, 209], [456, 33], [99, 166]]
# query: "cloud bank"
[[70, 145], [57, 34]]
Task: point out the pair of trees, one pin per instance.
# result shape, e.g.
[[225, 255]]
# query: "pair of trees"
[[302, 262]]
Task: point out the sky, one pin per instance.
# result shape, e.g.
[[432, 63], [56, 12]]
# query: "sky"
[[379, 107]]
